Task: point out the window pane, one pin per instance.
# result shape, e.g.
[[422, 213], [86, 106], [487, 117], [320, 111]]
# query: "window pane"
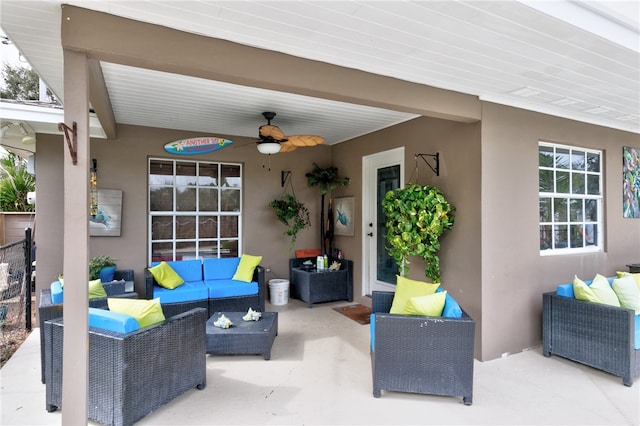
[[593, 162], [590, 234], [560, 209], [185, 199], [161, 251], [208, 199], [185, 173], [160, 172], [208, 227], [545, 156], [229, 248], [593, 184], [162, 228], [545, 210], [230, 175], [577, 213], [577, 183], [577, 160], [577, 235], [546, 181], [562, 158], [185, 227], [591, 210], [562, 182], [208, 249], [560, 236], [161, 199], [545, 237], [228, 226], [230, 200], [208, 174], [186, 251]]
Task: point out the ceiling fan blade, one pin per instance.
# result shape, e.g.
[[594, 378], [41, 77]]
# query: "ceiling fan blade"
[[271, 131], [287, 147], [305, 140]]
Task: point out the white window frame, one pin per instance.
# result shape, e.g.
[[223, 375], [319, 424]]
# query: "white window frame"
[[554, 224], [175, 212]]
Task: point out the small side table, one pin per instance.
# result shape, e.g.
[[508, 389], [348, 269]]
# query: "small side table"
[[324, 285], [634, 268]]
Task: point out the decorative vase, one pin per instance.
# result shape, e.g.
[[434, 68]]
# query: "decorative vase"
[[107, 273]]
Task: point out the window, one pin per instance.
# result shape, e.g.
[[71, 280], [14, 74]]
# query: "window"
[[195, 209], [570, 185]]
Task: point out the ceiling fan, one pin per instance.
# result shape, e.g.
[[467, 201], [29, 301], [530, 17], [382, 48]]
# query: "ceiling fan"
[[273, 140]]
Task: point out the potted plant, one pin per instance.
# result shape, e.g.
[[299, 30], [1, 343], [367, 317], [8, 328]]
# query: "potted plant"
[[293, 214], [328, 180], [416, 217], [102, 267]]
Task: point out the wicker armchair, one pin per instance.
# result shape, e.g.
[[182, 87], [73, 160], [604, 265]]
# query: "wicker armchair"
[[427, 355], [132, 374], [594, 334], [48, 311]]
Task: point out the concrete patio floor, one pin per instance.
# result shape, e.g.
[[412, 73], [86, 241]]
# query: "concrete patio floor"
[[320, 373]]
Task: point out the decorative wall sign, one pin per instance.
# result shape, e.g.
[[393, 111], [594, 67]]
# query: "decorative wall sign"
[[107, 222], [193, 146], [630, 182], [344, 216]]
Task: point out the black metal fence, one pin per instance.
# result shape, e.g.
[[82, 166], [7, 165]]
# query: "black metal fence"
[[15, 286]]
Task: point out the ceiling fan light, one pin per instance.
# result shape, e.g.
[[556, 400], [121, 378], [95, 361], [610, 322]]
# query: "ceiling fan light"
[[268, 147]]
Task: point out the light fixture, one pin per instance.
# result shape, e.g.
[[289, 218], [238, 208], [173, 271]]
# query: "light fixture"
[[268, 147], [3, 128], [93, 203], [27, 138]]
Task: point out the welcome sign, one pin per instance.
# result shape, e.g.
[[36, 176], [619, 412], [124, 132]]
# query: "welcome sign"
[[193, 146]]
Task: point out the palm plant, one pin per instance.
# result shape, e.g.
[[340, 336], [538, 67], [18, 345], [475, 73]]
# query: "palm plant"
[[15, 182]]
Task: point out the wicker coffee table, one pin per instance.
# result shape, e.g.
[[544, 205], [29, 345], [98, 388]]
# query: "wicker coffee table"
[[244, 337]]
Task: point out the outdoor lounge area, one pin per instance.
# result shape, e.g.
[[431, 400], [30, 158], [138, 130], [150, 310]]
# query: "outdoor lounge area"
[[320, 373]]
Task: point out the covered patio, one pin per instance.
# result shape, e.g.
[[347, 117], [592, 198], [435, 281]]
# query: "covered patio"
[[320, 373]]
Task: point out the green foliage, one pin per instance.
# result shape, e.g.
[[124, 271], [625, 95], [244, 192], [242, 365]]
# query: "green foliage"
[[293, 214], [97, 263], [416, 217], [327, 179], [23, 84], [15, 182]]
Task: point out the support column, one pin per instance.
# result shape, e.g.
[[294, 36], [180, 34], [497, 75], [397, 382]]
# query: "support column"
[[76, 242]]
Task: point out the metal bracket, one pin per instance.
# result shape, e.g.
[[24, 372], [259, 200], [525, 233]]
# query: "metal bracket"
[[435, 156], [73, 145], [284, 175]]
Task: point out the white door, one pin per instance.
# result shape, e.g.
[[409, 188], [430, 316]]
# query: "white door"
[[381, 172]]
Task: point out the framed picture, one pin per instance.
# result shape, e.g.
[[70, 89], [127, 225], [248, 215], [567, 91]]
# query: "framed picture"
[[343, 216], [107, 222], [630, 182]]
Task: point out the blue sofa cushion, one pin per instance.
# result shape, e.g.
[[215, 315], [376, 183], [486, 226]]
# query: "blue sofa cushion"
[[230, 288], [189, 270], [190, 291], [637, 334], [372, 331], [220, 268], [112, 321], [57, 295]]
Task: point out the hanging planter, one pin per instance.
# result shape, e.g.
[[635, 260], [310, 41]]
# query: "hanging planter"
[[416, 218], [291, 213]]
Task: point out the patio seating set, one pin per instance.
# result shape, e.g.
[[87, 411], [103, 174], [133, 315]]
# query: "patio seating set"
[[422, 342]]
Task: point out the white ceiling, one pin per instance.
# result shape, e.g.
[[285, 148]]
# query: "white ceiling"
[[573, 59]]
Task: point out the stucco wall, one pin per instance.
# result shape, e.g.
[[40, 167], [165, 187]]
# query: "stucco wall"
[[514, 275]]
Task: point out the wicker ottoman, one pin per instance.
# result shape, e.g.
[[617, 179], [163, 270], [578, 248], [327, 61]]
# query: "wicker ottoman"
[[244, 337]]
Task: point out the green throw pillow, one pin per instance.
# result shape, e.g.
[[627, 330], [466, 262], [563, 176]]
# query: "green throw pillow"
[[246, 267], [406, 289], [582, 291], [603, 291], [628, 293], [636, 276], [430, 305], [146, 312], [165, 276], [96, 289]]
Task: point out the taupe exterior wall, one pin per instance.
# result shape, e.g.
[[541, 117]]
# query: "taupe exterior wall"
[[514, 275]]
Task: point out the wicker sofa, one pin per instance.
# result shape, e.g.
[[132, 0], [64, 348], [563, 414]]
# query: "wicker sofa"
[[597, 335], [419, 354], [48, 310], [130, 375]]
